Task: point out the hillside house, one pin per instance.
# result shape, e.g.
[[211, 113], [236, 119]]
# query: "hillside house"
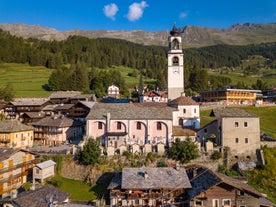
[[146, 186], [235, 129], [113, 91], [56, 130], [14, 134], [16, 108], [15, 167], [216, 189], [44, 171], [154, 96]]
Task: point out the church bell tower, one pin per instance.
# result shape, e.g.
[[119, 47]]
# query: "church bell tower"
[[175, 65]]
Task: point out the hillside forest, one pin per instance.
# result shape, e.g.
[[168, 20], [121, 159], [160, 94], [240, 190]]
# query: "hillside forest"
[[80, 63]]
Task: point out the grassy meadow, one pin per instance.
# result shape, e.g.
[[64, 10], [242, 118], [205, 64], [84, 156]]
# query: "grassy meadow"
[[27, 81]]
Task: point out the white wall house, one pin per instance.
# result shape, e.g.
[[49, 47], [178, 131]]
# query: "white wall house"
[[44, 170]]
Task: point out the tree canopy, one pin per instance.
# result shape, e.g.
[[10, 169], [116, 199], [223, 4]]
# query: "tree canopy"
[[183, 151], [90, 154]]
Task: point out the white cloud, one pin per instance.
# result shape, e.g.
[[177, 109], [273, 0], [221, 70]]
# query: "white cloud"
[[183, 15], [110, 10], [136, 10]]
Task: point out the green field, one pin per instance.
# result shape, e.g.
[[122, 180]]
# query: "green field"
[[27, 81]]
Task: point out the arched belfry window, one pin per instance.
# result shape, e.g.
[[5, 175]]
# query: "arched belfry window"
[[175, 61], [175, 44]]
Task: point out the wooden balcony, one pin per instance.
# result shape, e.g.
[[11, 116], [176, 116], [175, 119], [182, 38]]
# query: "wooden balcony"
[[5, 141]]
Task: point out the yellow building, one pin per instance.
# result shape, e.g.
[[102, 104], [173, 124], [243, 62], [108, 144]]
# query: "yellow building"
[[231, 96], [15, 166], [14, 134]]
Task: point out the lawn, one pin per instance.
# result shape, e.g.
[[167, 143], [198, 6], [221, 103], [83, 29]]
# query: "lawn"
[[79, 190], [26, 80]]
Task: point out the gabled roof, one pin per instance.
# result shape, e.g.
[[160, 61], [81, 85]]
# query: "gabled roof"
[[63, 107], [6, 152], [41, 197], [45, 164], [206, 179], [231, 112], [57, 121], [29, 101], [131, 111], [182, 101], [154, 178], [64, 94], [13, 126]]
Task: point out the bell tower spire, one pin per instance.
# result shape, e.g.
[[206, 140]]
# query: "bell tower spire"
[[175, 65]]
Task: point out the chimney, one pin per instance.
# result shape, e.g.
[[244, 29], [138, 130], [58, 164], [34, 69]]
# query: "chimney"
[[146, 175], [108, 122]]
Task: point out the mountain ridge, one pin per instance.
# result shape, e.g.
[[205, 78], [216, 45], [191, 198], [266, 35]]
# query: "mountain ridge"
[[192, 36]]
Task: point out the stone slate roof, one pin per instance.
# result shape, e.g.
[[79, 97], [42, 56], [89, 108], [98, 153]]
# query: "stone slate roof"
[[64, 107], [88, 104], [41, 197], [64, 94], [34, 114], [231, 112], [207, 178], [57, 121], [45, 164], [154, 178], [8, 126], [29, 101], [6, 152], [133, 111], [182, 101]]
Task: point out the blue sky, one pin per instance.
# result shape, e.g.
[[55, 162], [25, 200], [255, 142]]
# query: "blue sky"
[[150, 15]]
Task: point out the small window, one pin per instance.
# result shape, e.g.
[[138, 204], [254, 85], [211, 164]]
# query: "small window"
[[119, 125], [159, 126], [246, 140], [226, 202], [100, 125], [37, 171], [198, 203], [245, 124], [205, 130], [194, 110], [236, 124], [184, 111], [138, 126], [237, 140]]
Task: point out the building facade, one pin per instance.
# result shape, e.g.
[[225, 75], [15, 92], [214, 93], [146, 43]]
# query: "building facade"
[[15, 167], [231, 96], [14, 134]]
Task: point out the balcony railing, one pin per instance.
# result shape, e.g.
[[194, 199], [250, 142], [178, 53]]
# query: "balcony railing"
[[5, 141]]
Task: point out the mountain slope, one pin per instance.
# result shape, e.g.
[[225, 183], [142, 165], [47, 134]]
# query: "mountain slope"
[[193, 36]]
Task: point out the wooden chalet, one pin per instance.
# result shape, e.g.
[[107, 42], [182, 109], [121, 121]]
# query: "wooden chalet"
[[218, 190], [146, 186], [16, 108]]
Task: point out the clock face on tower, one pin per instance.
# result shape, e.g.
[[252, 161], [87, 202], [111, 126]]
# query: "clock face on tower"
[[175, 70]]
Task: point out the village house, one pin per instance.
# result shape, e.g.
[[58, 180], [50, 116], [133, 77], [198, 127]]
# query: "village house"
[[15, 108], [215, 189], [59, 97], [113, 91], [15, 167], [43, 197], [14, 134], [154, 96], [56, 129], [146, 186], [44, 171], [235, 129]]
